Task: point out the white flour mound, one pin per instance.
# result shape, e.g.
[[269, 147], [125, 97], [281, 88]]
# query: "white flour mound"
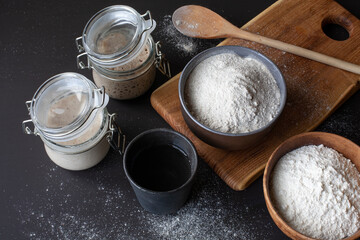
[[232, 94], [317, 190]]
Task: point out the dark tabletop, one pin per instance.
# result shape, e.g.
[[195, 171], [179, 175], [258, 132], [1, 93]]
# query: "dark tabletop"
[[39, 200]]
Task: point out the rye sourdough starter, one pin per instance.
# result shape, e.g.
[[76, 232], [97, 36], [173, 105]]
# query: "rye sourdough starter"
[[232, 94], [316, 190], [64, 112], [131, 83]]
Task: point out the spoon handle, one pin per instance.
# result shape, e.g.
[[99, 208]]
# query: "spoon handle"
[[297, 50]]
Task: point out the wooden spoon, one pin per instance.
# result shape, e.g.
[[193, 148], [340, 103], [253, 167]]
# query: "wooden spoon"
[[200, 22]]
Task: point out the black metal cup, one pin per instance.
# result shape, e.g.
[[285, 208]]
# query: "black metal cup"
[[163, 201]]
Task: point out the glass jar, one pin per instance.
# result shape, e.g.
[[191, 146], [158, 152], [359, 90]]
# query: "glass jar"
[[69, 114], [121, 52]]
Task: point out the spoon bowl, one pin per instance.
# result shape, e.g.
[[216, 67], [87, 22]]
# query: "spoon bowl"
[[200, 22]]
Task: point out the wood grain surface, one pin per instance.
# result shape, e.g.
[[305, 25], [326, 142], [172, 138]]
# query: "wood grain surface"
[[314, 90]]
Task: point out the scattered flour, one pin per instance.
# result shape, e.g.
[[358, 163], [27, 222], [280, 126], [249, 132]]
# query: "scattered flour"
[[317, 190], [210, 215], [96, 205], [188, 25], [232, 94], [169, 34]]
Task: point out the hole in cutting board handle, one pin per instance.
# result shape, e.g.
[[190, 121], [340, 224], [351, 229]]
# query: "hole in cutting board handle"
[[337, 28]]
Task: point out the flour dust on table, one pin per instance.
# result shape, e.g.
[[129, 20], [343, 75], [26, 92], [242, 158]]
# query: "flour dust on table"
[[185, 45], [208, 214]]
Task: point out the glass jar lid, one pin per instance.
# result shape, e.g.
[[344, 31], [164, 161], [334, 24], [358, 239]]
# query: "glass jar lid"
[[115, 34], [64, 104]]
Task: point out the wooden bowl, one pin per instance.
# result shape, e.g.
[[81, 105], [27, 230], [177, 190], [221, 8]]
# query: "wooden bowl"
[[349, 149]]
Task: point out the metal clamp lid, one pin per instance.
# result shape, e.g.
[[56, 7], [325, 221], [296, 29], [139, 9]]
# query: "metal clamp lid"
[[25, 128], [80, 63], [115, 137], [161, 63]]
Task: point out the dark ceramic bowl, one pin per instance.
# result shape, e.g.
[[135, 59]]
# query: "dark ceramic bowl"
[[222, 140]]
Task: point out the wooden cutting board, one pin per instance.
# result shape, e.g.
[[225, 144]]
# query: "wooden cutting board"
[[314, 90]]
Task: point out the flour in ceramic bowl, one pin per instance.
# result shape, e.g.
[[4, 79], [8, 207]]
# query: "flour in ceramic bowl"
[[232, 94], [316, 190]]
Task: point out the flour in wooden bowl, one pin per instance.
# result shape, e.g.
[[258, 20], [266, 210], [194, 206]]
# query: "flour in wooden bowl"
[[316, 190], [232, 94]]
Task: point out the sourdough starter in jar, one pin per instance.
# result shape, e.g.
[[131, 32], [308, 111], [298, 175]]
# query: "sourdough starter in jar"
[[120, 51], [61, 114], [64, 112], [69, 114], [131, 79]]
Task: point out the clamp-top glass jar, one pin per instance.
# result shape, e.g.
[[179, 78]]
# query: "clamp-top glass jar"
[[121, 52], [69, 114]]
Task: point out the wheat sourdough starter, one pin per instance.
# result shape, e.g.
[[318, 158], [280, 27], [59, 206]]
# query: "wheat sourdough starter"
[[130, 83], [317, 192], [232, 94], [64, 112]]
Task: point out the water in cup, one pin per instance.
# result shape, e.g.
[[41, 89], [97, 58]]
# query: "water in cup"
[[161, 168]]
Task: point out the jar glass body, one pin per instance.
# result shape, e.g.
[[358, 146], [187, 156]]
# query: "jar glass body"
[[84, 151], [130, 79], [69, 114], [120, 51]]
